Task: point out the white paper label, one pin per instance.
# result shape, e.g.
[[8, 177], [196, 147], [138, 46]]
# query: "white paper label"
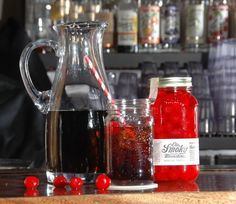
[[127, 27], [170, 152], [195, 20]]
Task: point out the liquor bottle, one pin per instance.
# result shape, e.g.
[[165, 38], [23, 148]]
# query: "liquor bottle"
[[107, 14], [138, 2], [170, 24], [76, 10], [91, 8], [61, 11], [232, 21], [149, 24], [218, 21], [127, 26], [195, 24], [38, 19]]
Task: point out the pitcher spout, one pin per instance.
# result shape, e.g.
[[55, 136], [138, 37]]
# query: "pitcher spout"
[[80, 26]]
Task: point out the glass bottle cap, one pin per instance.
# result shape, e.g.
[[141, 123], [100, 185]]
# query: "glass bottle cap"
[[175, 82]]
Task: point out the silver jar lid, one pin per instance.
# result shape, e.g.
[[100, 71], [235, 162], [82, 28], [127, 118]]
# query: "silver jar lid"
[[175, 82]]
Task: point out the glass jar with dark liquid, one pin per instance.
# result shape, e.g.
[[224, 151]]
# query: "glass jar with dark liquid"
[[129, 143]]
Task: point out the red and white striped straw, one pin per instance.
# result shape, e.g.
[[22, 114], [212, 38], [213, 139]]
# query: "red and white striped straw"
[[101, 84], [99, 80]]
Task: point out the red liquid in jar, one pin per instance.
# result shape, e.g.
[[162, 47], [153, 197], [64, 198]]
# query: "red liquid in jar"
[[175, 119], [128, 142], [130, 154]]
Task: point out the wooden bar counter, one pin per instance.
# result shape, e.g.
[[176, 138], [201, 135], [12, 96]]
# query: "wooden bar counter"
[[212, 187]]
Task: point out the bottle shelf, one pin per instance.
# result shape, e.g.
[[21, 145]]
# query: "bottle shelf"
[[216, 143], [131, 60]]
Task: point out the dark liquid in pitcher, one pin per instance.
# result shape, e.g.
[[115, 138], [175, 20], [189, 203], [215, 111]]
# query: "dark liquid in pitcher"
[[75, 142]]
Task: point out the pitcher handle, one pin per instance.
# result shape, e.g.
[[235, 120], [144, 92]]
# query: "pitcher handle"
[[40, 98]]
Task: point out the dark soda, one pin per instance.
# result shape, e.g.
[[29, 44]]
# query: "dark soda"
[[75, 142], [131, 155]]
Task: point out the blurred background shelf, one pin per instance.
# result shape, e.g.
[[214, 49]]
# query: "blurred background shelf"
[[216, 143], [215, 150], [131, 60]]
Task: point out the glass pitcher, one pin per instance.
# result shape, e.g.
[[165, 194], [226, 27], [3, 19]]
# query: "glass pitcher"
[[75, 107]]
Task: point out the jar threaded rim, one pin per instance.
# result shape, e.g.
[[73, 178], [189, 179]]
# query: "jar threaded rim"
[[174, 82]]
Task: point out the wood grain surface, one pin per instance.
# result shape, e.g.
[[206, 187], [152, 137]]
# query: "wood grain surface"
[[146, 198]]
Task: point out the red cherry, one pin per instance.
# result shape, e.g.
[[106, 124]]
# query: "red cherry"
[[115, 128], [60, 181], [191, 173], [115, 124], [31, 182], [103, 182], [76, 192], [31, 192], [129, 133], [226, 28], [76, 183], [174, 172], [60, 191]]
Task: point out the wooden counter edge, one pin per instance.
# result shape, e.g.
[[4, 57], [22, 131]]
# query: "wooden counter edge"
[[142, 198]]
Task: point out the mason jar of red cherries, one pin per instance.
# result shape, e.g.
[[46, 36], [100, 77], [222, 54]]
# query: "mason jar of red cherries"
[[176, 142]]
